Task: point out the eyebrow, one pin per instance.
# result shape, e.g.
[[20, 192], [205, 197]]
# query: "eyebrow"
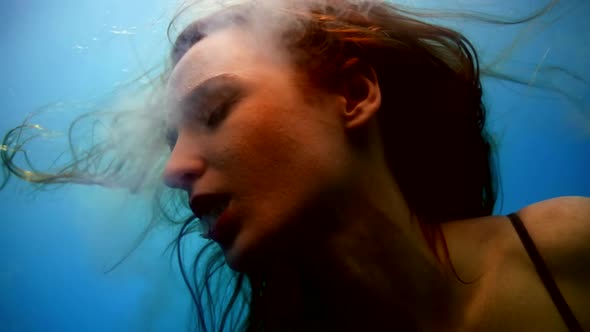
[[203, 90]]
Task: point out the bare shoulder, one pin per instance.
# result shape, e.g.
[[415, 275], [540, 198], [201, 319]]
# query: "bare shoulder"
[[560, 228], [510, 296], [570, 207]]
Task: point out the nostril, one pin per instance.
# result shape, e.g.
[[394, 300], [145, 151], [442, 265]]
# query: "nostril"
[[170, 180], [178, 179], [182, 174]]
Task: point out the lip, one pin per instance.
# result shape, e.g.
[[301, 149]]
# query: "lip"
[[224, 229], [200, 203], [221, 230]]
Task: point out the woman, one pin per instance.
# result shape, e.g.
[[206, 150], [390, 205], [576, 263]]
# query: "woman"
[[336, 154]]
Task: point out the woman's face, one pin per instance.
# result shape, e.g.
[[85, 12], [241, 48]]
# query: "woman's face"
[[246, 125]]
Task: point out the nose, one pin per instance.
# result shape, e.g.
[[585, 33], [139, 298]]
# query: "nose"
[[183, 168]]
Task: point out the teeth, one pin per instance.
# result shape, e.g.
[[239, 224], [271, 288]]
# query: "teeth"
[[208, 219], [215, 213]]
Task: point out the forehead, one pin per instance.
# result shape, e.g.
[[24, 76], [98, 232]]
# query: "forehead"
[[229, 51]]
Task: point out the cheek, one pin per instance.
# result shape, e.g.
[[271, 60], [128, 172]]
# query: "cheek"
[[280, 152], [270, 146], [281, 166]]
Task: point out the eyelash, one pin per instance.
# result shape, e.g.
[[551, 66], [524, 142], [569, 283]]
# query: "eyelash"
[[215, 116], [171, 136], [210, 119]]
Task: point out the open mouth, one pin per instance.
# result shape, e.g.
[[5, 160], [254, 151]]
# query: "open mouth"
[[209, 204], [209, 207]]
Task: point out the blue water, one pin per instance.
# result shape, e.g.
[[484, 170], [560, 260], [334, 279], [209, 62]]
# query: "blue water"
[[56, 245]]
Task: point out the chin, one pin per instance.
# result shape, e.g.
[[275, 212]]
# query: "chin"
[[260, 246], [238, 257], [234, 261], [249, 255]]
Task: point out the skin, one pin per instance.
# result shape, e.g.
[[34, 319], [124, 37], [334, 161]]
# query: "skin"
[[312, 201], [507, 294], [277, 152]]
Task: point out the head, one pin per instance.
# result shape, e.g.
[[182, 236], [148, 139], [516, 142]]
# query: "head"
[[289, 117]]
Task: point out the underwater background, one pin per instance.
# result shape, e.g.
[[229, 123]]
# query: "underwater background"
[[56, 244]]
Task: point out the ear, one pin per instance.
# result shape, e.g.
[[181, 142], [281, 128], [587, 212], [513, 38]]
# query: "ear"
[[360, 89]]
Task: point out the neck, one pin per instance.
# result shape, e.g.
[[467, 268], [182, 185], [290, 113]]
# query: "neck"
[[370, 270], [364, 266]]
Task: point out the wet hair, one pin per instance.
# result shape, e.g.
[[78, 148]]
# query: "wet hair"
[[432, 119]]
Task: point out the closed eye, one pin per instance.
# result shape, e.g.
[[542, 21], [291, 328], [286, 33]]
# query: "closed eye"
[[219, 113], [210, 101], [207, 104], [171, 137]]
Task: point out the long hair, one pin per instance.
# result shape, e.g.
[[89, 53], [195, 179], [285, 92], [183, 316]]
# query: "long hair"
[[432, 122]]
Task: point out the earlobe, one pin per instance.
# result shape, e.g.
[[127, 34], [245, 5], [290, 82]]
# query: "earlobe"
[[363, 96]]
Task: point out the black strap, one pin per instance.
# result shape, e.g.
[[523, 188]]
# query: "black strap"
[[546, 277]]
